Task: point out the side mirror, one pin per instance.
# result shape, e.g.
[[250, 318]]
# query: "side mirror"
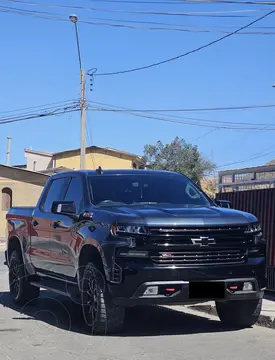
[[223, 203], [64, 208]]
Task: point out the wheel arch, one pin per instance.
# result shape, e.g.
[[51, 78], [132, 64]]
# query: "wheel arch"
[[90, 253]]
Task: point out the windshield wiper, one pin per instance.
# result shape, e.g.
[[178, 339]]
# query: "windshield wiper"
[[148, 203], [109, 203]]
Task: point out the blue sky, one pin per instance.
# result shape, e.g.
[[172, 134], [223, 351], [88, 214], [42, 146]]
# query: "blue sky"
[[39, 65]]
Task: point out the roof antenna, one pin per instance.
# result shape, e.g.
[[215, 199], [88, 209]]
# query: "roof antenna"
[[99, 170]]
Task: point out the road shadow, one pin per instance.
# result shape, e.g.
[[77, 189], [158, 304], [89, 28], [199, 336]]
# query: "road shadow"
[[62, 313]]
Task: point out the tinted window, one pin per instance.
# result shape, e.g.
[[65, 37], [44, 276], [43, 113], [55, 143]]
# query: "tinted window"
[[173, 189], [74, 192], [55, 193]]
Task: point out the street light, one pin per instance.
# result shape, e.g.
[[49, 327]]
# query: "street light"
[[74, 19]]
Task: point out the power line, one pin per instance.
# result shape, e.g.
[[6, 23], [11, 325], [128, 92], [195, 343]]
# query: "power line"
[[74, 101], [205, 134], [198, 120], [186, 122], [117, 23], [40, 110], [59, 111], [183, 2], [189, 52], [226, 2], [83, 8], [191, 13], [134, 27], [254, 157], [169, 23], [242, 107], [37, 116]]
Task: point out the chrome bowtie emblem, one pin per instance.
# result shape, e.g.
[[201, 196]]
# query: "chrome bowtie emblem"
[[203, 241]]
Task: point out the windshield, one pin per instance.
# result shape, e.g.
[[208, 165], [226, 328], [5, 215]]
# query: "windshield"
[[133, 190]]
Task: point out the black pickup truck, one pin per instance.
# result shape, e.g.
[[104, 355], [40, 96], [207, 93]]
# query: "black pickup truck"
[[115, 239]]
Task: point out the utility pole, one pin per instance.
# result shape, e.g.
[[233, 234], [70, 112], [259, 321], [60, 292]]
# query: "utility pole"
[[74, 20], [83, 122], [8, 151]]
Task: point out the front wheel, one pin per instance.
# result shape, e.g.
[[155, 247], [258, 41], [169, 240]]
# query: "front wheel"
[[239, 313], [99, 312]]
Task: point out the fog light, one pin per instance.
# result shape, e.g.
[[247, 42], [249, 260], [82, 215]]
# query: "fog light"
[[247, 286], [151, 290]]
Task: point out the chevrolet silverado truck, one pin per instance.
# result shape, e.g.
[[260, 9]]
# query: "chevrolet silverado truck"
[[116, 239]]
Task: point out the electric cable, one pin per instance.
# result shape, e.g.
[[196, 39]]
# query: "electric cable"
[[188, 52], [226, 108]]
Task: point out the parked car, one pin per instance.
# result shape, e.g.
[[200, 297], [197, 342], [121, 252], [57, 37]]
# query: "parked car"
[[115, 239]]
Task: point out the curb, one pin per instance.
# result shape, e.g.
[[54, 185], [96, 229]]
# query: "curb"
[[265, 321]]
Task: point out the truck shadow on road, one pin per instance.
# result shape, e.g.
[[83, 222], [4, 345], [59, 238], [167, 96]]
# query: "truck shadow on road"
[[62, 313]]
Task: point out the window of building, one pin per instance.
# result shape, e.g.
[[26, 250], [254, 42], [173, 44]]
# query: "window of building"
[[226, 189], [244, 177], [227, 179], [265, 175], [6, 199]]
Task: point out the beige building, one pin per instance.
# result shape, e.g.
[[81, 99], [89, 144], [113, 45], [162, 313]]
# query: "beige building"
[[18, 187], [22, 185], [96, 156]]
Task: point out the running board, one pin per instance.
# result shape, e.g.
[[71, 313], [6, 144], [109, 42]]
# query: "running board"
[[58, 287]]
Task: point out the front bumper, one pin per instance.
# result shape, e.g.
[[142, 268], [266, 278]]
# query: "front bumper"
[[136, 278]]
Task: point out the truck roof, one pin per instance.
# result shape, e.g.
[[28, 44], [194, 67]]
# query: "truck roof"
[[113, 172]]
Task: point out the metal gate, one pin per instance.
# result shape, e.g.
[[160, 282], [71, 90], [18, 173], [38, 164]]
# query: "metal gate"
[[261, 203]]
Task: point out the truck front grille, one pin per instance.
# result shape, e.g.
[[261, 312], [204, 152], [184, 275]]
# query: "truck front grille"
[[220, 237], [199, 257]]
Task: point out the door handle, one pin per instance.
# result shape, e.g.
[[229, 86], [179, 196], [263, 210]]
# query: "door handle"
[[56, 224], [35, 223]]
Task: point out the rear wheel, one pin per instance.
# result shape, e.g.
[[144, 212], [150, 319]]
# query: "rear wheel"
[[240, 314], [21, 290], [99, 312]]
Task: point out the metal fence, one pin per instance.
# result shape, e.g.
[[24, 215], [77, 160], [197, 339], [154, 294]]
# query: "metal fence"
[[261, 203]]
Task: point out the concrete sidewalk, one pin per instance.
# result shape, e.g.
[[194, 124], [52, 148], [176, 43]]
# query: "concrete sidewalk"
[[267, 317]]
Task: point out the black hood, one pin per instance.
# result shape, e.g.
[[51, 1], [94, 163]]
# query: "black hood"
[[179, 216]]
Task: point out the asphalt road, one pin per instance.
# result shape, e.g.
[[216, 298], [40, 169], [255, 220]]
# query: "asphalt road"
[[54, 330]]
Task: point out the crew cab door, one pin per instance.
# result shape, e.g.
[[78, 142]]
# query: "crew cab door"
[[40, 253], [64, 236]]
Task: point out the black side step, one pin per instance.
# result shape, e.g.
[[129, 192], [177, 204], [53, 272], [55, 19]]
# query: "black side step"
[[57, 286]]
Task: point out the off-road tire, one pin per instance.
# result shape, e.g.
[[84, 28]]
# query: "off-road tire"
[[22, 292], [239, 313], [99, 312]]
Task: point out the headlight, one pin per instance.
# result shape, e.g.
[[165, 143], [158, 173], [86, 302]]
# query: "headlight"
[[253, 229], [256, 231], [124, 230]]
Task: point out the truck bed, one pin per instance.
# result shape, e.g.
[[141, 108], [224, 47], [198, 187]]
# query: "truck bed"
[[24, 211]]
